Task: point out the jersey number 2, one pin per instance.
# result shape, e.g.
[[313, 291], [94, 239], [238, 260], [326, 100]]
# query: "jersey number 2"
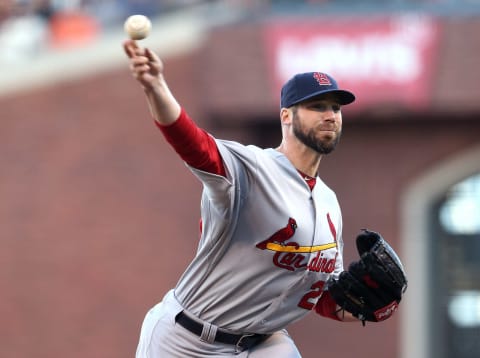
[[316, 291]]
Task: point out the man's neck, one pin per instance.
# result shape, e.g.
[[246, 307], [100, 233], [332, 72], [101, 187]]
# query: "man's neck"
[[303, 159]]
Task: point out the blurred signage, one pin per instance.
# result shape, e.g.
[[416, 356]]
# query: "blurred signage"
[[382, 60]]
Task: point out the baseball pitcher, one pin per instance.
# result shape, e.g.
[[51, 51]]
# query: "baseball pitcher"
[[271, 243]]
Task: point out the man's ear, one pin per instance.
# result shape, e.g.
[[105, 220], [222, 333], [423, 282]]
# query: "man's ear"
[[286, 116]]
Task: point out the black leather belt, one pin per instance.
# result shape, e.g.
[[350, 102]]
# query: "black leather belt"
[[242, 341]]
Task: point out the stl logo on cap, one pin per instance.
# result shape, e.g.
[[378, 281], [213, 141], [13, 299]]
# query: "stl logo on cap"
[[322, 79]]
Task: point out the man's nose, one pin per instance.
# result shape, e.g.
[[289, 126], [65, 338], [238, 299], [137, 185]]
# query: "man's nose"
[[329, 114]]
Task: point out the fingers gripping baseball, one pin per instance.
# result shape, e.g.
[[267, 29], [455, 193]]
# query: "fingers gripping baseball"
[[145, 65]]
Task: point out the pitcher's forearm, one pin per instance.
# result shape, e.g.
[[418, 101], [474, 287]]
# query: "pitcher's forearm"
[[163, 106]]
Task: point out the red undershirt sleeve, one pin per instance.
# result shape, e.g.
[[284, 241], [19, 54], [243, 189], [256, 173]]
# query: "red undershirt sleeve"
[[194, 145], [326, 306]]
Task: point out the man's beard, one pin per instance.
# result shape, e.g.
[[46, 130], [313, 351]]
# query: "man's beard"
[[309, 138]]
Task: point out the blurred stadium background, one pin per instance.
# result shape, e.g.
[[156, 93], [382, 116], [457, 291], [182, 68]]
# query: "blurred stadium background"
[[98, 217]]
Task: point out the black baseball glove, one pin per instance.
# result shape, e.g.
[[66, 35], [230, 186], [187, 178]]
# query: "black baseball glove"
[[372, 287]]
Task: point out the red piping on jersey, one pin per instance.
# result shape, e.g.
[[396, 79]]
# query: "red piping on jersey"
[[194, 145]]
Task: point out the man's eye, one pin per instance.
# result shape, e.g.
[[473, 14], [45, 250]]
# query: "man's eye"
[[319, 107], [324, 107]]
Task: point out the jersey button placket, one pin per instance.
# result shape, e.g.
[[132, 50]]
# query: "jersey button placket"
[[314, 218]]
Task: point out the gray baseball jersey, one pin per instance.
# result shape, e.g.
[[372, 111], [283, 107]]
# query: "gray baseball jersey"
[[268, 243]]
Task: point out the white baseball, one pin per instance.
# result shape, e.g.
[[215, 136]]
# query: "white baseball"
[[137, 27]]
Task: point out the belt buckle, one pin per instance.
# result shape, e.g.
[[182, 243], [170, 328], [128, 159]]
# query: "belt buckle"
[[239, 346]]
